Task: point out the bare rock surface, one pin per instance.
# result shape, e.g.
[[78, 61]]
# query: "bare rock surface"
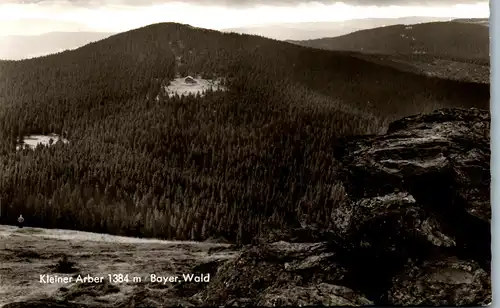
[[439, 166], [420, 192]]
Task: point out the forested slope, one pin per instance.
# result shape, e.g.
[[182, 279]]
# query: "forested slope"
[[228, 163]]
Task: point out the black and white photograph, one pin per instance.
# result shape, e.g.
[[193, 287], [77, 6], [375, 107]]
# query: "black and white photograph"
[[163, 153]]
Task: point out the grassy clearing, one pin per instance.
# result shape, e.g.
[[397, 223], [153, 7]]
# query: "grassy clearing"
[[26, 257]]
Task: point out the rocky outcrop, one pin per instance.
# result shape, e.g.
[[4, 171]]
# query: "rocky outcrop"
[[436, 170], [444, 155], [282, 273], [415, 229]]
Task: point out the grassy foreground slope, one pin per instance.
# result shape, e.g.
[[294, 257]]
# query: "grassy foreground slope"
[[29, 256], [226, 164]]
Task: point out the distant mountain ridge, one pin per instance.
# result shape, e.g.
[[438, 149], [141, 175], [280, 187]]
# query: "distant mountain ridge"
[[17, 47], [315, 30], [450, 39], [480, 21]]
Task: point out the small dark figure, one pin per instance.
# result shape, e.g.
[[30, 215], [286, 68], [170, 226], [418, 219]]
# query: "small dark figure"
[[20, 221]]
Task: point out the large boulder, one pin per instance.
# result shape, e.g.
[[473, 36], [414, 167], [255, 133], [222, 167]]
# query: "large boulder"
[[437, 165], [432, 153], [417, 192]]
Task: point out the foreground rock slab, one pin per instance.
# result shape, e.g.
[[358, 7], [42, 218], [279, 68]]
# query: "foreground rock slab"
[[420, 192]]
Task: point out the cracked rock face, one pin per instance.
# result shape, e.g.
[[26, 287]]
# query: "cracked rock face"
[[444, 154], [421, 191], [441, 160]]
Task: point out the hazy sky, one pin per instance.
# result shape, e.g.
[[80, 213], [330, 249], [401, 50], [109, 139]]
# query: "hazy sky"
[[29, 17]]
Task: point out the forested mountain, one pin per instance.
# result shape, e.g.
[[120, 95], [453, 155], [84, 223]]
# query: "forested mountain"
[[229, 163], [456, 39]]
